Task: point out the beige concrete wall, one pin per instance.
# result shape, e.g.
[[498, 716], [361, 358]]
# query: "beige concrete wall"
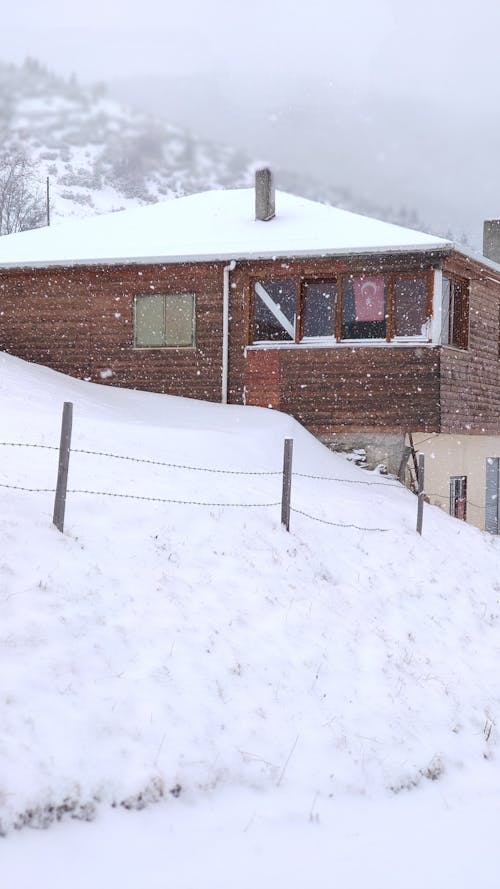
[[380, 447], [447, 455]]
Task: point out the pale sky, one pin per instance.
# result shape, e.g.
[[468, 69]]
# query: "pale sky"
[[396, 100], [445, 46]]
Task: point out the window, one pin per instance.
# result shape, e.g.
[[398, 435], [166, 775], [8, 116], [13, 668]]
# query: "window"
[[364, 307], [458, 496], [492, 523], [455, 323], [320, 301], [347, 307], [274, 311], [410, 306], [164, 319]]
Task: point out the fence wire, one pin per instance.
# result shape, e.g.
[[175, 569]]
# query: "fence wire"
[[136, 497], [446, 497], [243, 472], [167, 499], [22, 444], [348, 481], [174, 465], [187, 467], [16, 444], [334, 524], [31, 490]]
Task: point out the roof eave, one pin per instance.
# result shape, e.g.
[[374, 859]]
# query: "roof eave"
[[439, 249]]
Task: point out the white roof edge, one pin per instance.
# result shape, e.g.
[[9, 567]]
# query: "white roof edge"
[[438, 247], [479, 258]]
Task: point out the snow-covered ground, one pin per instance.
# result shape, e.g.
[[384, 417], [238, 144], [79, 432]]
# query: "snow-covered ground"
[[226, 703]]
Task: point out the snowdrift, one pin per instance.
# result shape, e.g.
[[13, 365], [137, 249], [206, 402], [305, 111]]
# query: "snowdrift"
[[162, 650]]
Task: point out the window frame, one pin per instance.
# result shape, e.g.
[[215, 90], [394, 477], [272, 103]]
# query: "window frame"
[[165, 295], [302, 280], [456, 339], [302, 290], [296, 318], [455, 481]]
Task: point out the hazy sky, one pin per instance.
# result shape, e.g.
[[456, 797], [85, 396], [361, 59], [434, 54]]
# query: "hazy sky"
[[396, 100], [447, 46]]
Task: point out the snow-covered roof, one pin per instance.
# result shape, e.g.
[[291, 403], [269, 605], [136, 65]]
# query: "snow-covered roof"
[[214, 225]]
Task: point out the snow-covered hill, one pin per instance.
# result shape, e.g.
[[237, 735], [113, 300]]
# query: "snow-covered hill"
[[164, 652], [101, 156]]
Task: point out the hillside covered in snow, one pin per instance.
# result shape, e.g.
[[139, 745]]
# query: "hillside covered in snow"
[[176, 642], [99, 155], [102, 156]]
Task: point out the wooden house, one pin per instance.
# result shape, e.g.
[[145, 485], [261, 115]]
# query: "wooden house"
[[364, 331]]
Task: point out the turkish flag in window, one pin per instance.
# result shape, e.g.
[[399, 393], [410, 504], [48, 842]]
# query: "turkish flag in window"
[[369, 298]]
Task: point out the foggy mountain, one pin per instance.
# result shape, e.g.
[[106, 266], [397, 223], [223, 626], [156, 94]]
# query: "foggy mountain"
[[427, 158], [103, 155]]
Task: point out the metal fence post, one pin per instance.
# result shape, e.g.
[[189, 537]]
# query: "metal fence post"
[[420, 504], [287, 483], [62, 473]]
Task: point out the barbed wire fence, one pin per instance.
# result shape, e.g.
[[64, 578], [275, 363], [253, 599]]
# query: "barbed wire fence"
[[61, 490]]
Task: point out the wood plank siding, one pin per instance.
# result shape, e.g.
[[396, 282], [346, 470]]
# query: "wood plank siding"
[[470, 379], [80, 320], [337, 388], [387, 389]]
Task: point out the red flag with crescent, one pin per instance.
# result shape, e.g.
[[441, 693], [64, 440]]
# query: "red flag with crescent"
[[369, 298]]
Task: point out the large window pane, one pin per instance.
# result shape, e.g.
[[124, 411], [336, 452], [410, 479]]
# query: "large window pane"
[[149, 320], [411, 306], [319, 308], [179, 316], [274, 311], [455, 307], [445, 316], [460, 315], [364, 302]]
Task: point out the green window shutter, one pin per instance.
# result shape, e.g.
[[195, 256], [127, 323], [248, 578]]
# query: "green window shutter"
[[179, 319], [149, 320]]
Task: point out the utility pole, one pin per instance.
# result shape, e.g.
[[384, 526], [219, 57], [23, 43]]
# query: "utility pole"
[[48, 201]]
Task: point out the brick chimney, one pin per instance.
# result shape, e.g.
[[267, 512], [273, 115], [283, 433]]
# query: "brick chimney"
[[264, 195], [491, 239]]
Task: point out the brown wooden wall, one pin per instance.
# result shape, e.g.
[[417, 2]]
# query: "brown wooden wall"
[[80, 321], [470, 379], [387, 389]]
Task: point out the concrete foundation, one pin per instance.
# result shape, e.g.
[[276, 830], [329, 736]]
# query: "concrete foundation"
[[380, 447]]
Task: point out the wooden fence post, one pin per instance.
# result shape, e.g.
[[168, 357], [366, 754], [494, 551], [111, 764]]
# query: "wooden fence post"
[[62, 473], [420, 504], [287, 483]]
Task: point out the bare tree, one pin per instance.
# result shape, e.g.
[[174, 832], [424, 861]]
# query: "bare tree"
[[21, 206]]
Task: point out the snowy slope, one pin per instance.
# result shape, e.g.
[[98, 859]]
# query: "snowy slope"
[[166, 651]]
